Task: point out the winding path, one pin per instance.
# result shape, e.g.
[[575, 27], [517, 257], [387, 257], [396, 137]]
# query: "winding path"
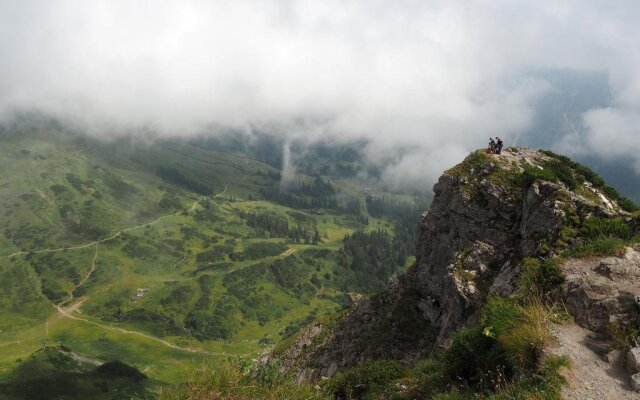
[[95, 242], [84, 279], [68, 312], [590, 377]]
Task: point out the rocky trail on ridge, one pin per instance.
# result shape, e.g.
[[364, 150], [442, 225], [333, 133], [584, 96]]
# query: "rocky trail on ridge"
[[590, 377]]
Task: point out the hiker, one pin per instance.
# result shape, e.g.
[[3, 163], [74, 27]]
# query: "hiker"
[[492, 146], [499, 145], [434, 301]]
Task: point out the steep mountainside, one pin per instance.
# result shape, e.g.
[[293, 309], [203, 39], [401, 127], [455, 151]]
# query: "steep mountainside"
[[497, 228]]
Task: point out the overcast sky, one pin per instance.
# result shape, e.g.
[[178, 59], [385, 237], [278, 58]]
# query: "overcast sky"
[[437, 76]]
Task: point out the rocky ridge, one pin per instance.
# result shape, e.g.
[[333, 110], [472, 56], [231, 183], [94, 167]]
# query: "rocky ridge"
[[489, 214]]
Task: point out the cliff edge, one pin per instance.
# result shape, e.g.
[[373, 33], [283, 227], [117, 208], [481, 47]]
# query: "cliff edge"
[[493, 220]]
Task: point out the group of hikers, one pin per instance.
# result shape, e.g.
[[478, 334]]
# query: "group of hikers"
[[495, 146]]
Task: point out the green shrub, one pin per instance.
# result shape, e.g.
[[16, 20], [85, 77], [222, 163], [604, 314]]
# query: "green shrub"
[[477, 158], [474, 357], [552, 171], [365, 380], [545, 384], [58, 189], [539, 277], [602, 246], [603, 237], [563, 172], [255, 251], [118, 369], [562, 164], [473, 160], [532, 174], [605, 227], [624, 202]]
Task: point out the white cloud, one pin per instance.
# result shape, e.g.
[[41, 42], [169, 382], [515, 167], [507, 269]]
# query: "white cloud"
[[432, 75], [614, 133]]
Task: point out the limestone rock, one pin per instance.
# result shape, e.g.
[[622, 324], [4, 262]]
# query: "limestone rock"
[[633, 360], [635, 382], [600, 291], [615, 357]]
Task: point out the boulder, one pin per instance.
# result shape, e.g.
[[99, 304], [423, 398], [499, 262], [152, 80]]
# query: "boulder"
[[633, 360], [615, 358], [635, 382]]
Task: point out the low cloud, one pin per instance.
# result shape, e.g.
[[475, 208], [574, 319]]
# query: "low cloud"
[[436, 77], [614, 133]]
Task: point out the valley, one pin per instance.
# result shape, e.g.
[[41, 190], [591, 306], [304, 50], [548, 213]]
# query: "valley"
[[167, 254]]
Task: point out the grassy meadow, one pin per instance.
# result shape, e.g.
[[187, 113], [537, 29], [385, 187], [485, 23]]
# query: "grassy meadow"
[[150, 254]]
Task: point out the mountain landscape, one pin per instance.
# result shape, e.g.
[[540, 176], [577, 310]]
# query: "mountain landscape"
[[164, 254], [133, 267], [283, 200], [513, 249]]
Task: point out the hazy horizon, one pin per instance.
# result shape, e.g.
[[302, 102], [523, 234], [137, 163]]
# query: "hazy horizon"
[[434, 78]]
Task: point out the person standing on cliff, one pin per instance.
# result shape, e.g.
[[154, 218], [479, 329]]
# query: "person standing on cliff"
[[499, 145], [492, 146]]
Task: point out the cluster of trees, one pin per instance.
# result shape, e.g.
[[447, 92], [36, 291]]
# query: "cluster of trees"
[[272, 225], [319, 194], [404, 216], [211, 319], [216, 253], [255, 251], [354, 207], [174, 176], [372, 256]]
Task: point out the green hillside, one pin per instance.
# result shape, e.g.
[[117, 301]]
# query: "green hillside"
[[57, 372], [167, 253]]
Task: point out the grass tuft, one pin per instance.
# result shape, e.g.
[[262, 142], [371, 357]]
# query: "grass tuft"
[[231, 380]]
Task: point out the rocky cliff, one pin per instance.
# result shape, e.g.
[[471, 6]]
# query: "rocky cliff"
[[490, 214]]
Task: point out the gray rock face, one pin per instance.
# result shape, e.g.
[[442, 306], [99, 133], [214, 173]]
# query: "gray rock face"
[[635, 382], [541, 218], [615, 358], [469, 245], [599, 291], [633, 360]]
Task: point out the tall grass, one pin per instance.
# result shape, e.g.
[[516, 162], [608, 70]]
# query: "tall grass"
[[520, 331], [231, 380]]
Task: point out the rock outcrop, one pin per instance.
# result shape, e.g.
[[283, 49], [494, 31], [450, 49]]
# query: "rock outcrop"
[[484, 220], [602, 291]]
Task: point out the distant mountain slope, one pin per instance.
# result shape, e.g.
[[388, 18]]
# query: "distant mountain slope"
[[166, 252]]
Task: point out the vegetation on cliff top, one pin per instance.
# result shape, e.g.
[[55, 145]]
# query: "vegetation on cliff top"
[[518, 170]]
